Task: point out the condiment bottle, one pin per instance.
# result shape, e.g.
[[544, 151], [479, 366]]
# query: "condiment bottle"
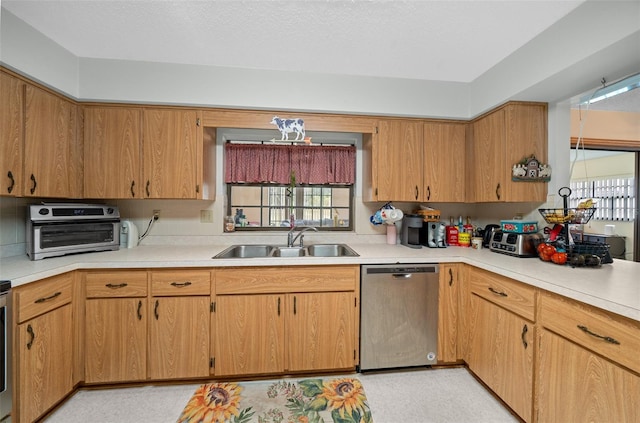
[[452, 232], [468, 228]]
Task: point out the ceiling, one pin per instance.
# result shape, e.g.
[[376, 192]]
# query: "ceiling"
[[425, 40]]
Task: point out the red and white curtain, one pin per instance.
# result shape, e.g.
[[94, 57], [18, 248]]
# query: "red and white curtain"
[[273, 163]]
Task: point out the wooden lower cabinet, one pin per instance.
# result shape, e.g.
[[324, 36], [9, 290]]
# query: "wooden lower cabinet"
[[116, 340], [250, 334], [44, 365], [501, 337], [501, 354], [320, 331], [274, 320], [179, 338], [589, 367], [577, 385], [448, 314], [278, 333]]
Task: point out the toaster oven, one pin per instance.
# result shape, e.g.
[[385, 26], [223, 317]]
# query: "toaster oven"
[[60, 229], [515, 244]]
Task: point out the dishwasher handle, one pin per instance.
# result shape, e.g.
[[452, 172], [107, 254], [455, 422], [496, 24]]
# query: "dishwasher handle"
[[401, 275]]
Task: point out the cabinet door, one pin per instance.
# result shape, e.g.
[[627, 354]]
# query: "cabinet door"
[[448, 312], [49, 168], [320, 331], [399, 160], [526, 134], [45, 349], [250, 334], [485, 181], [179, 338], [11, 130], [116, 340], [171, 142], [501, 354], [112, 143], [444, 162], [577, 385]]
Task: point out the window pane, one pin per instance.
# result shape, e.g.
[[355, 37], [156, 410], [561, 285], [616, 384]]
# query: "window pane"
[[272, 207]]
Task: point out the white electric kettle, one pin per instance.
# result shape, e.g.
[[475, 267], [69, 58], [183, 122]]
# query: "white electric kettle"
[[128, 234]]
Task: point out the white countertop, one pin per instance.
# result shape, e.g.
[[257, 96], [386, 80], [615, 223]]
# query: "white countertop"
[[612, 287]]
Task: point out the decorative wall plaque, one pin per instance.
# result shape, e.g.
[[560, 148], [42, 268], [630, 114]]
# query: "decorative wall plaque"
[[530, 169]]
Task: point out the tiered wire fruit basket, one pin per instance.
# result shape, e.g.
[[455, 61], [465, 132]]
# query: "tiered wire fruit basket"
[[580, 253]]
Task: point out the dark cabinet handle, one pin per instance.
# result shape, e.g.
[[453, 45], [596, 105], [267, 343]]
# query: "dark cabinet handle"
[[294, 305], [498, 191], [133, 184], [525, 329], [140, 310], [32, 335], [180, 284], [428, 193], [278, 306], [116, 286], [416, 192], [604, 338], [155, 310], [42, 300], [502, 294], [35, 184], [147, 188], [450, 277], [13, 182]]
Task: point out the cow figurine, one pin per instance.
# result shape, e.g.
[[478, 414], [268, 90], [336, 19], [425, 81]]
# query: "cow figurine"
[[545, 171], [519, 171], [285, 126]]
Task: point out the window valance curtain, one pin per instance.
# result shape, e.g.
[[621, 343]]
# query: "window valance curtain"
[[273, 163]]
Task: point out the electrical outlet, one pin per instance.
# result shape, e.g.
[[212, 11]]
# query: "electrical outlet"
[[156, 214], [206, 216]]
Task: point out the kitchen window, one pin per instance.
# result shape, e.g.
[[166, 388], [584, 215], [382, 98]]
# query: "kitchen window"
[[271, 186], [614, 197]]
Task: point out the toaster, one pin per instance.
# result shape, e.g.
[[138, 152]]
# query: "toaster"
[[515, 244]]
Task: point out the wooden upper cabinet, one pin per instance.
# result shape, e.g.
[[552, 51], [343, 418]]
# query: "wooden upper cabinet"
[[11, 135], [172, 150], [112, 145], [397, 160], [444, 162], [52, 163], [499, 140]]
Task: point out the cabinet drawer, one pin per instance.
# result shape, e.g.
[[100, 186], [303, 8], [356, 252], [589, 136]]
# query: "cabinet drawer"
[[248, 280], [180, 282], [614, 337], [40, 297], [126, 283], [514, 296]]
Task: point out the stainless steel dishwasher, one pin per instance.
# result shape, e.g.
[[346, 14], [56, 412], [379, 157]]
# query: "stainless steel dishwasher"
[[398, 316]]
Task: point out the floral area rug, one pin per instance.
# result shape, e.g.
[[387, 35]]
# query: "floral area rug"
[[332, 400]]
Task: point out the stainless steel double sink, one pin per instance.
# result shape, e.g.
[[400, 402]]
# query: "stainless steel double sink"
[[263, 251]]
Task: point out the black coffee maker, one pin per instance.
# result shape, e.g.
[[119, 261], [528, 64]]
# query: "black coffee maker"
[[410, 233]]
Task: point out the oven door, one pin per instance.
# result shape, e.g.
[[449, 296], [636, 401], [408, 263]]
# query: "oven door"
[[58, 238]]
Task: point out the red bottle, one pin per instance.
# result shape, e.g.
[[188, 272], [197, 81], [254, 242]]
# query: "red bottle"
[[452, 233]]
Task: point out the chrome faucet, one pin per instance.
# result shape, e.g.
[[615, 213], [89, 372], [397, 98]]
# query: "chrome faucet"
[[291, 239]]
